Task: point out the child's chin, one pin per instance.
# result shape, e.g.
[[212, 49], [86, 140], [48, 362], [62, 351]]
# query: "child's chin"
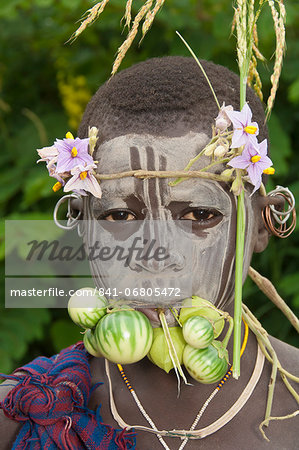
[[153, 315]]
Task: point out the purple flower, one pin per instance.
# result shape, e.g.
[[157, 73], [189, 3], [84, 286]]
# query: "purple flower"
[[60, 181], [255, 161], [245, 131], [48, 154], [222, 121], [72, 153], [83, 180], [59, 176]]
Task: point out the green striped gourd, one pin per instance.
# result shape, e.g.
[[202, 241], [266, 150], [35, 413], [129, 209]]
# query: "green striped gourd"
[[124, 336], [198, 332], [90, 343], [197, 306], [204, 365], [87, 317]]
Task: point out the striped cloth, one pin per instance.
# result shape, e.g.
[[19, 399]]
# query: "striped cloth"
[[51, 399]]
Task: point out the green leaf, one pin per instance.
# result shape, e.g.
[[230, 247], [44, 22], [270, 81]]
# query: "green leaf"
[[293, 92], [37, 186], [280, 147], [10, 182], [8, 10], [13, 340], [289, 284], [295, 301], [6, 363], [18, 328], [40, 225], [64, 333]]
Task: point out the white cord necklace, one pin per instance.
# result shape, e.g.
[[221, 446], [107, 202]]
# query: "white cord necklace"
[[191, 433]]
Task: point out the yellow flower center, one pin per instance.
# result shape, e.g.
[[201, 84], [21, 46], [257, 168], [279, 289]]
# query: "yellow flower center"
[[57, 186], [83, 175], [69, 135], [74, 152], [269, 171], [255, 158], [250, 129]]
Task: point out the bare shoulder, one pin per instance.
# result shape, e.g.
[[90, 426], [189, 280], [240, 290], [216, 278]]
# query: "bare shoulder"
[[287, 354], [8, 428]]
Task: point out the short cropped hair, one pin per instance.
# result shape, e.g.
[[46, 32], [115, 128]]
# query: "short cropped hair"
[[166, 96]]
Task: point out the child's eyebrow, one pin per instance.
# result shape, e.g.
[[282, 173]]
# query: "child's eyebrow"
[[110, 202], [205, 194]]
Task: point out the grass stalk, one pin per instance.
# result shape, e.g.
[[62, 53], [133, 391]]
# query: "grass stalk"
[[240, 237], [201, 68], [270, 354], [172, 352]]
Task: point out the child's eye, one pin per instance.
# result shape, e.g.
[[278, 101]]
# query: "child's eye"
[[201, 215], [114, 216]]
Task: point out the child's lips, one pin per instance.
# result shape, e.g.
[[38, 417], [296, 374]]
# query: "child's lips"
[[153, 315]]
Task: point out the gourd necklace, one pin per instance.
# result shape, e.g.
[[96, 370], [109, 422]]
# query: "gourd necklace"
[[212, 428]]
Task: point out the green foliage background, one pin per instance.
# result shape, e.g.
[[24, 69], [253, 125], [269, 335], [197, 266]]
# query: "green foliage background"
[[44, 87]]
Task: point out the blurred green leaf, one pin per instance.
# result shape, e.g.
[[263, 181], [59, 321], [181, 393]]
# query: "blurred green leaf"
[[289, 284], [10, 182], [64, 333], [38, 186], [8, 10], [293, 92], [7, 364], [18, 328], [280, 147], [295, 302]]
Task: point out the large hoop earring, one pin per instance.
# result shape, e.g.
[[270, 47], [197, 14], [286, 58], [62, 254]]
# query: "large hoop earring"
[[276, 221], [72, 222]]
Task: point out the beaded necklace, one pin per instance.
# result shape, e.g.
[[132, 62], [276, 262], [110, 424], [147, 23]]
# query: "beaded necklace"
[[219, 423]]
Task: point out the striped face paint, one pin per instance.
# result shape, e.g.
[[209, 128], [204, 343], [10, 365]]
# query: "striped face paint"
[[209, 206]]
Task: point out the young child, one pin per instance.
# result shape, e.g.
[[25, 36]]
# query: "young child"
[[158, 115]]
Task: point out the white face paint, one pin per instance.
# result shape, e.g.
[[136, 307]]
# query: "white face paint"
[[209, 204]]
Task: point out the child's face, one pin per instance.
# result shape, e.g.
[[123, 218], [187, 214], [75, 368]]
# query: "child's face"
[[208, 204]]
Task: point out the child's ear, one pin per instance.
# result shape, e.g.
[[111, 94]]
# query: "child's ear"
[[263, 234]]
